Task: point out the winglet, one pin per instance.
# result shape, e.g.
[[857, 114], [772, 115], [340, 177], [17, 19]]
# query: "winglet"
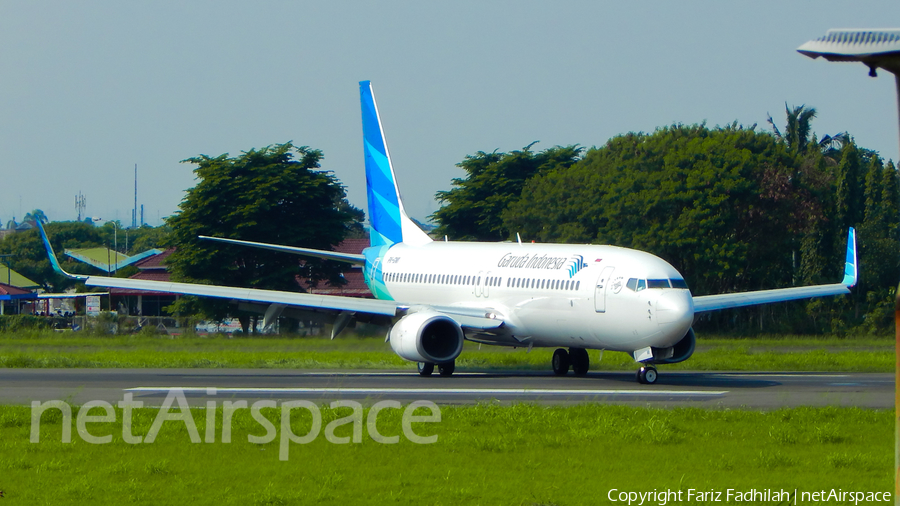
[[53, 261], [850, 267]]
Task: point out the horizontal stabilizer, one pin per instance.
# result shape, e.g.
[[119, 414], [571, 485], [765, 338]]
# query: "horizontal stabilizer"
[[356, 259]]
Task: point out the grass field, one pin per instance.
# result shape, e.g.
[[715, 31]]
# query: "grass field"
[[485, 454], [49, 349]]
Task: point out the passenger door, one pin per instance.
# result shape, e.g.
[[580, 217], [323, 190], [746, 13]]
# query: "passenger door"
[[600, 292]]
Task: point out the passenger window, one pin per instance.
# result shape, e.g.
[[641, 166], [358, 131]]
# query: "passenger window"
[[577, 285]]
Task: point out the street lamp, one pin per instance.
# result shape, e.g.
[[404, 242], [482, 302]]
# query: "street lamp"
[[877, 49], [115, 225], [8, 270]]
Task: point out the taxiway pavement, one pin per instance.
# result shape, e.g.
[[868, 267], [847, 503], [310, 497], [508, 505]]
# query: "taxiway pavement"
[[754, 390]]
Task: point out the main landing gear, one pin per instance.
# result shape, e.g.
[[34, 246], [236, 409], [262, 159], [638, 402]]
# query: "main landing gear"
[[577, 358], [446, 369], [647, 375]]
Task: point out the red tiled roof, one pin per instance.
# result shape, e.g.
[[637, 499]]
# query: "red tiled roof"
[[155, 261], [352, 246], [152, 276], [355, 287], [155, 274], [12, 290]]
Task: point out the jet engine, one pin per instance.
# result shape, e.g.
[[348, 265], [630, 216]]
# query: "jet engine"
[[679, 352], [427, 336]]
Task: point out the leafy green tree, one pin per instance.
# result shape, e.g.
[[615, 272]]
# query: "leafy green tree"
[[274, 195], [850, 204], [473, 209], [131, 241], [35, 216], [890, 201], [713, 202]]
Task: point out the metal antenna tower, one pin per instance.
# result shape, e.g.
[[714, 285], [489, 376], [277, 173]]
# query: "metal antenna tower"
[[135, 210], [80, 204]]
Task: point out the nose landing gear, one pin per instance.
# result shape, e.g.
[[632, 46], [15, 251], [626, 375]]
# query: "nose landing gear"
[[647, 375]]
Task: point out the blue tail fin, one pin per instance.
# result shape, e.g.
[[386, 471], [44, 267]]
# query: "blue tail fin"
[[388, 221]]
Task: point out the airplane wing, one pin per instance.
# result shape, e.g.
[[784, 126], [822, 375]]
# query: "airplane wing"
[[330, 302], [469, 318], [706, 303]]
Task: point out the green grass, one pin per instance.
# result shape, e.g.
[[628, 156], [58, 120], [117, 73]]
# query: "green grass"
[[41, 349], [485, 454]]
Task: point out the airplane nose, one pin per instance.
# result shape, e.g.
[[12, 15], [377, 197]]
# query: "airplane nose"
[[675, 307]]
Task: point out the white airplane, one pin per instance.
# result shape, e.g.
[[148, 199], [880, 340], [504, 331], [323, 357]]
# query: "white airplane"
[[436, 294]]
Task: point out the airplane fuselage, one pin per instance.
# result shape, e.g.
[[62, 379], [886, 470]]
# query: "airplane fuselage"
[[548, 295]]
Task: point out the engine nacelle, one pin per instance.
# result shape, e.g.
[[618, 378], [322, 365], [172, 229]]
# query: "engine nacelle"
[[679, 352], [427, 336]]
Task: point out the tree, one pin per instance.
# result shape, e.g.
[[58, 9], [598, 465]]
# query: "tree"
[[850, 199], [273, 195], [34, 216], [473, 209], [146, 237], [713, 202], [798, 130]]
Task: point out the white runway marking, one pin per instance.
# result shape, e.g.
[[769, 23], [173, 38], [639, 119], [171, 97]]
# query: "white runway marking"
[[433, 391], [775, 375]]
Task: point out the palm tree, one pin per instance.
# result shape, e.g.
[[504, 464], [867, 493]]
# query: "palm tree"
[[798, 132]]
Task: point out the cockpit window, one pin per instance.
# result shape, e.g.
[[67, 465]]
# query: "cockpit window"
[[657, 283], [679, 283], [641, 284], [631, 284]]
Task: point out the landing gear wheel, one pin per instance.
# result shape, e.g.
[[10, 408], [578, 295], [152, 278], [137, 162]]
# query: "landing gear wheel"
[[447, 369], [560, 362], [647, 375], [580, 361], [425, 368]]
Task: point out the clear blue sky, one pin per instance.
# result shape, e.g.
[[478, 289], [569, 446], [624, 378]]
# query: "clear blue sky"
[[88, 89]]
